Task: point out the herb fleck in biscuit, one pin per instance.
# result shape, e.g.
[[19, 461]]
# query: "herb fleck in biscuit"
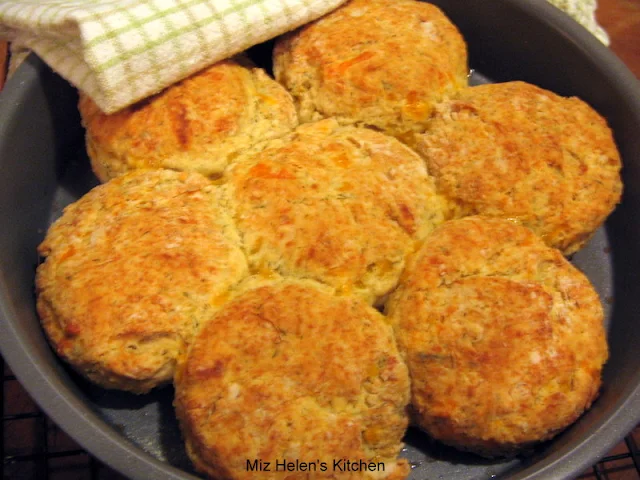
[[376, 63], [515, 150], [198, 124], [131, 270], [341, 205], [503, 337], [287, 370]]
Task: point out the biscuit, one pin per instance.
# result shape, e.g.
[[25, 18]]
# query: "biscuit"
[[517, 151], [198, 124], [131, 269], [287, 371], [503, 337], [374, 63], [338, 204]]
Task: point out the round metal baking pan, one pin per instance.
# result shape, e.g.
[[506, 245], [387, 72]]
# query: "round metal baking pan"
[[44, 167]]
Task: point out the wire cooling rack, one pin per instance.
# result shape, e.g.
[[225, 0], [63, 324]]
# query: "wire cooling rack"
[[34, 448]]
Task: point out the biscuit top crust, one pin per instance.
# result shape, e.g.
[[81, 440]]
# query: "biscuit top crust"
[[504, 338], [341, 205], [131, 269], [515, 150], [194, 125], [379, 63], [289, 370]]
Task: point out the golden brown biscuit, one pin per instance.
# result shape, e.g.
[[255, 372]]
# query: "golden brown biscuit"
[[341, 205], [198, 124], [287, 371], [131, 269], [515, 150], [377, 63], [503, 337]]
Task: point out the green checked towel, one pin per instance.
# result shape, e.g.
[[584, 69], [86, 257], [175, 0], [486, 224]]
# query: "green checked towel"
[[120, 51]]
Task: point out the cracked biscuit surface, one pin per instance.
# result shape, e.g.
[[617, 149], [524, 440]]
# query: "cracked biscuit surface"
[[198, 124], [518, 151], [131, 270], [376, 63], [341, 205], [503, 337], [288, 370]]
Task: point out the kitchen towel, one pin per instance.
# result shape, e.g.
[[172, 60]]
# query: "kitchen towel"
[[583, 12]]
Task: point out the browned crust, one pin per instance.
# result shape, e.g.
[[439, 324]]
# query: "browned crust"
[[341, 205], [289, 370], [504, 338], [378, 63], [131, 270], [515, 150], [198, 124]]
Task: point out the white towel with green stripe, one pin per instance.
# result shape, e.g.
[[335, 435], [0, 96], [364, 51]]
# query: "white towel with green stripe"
[[121, 51]]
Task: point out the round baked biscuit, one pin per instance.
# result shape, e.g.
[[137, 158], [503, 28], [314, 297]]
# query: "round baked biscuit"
[[198, 124], [338, 204], [289, 381], [517, 151], [131, 269], [503, 337], [376, 63]]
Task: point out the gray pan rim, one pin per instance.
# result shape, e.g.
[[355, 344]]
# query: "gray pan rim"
[[64, 405]]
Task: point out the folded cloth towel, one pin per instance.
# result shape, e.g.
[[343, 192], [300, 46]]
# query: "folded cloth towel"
[[120, 51], [584, 12]]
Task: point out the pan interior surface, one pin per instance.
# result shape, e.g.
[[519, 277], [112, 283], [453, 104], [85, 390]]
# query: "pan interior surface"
[[45, 167]]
